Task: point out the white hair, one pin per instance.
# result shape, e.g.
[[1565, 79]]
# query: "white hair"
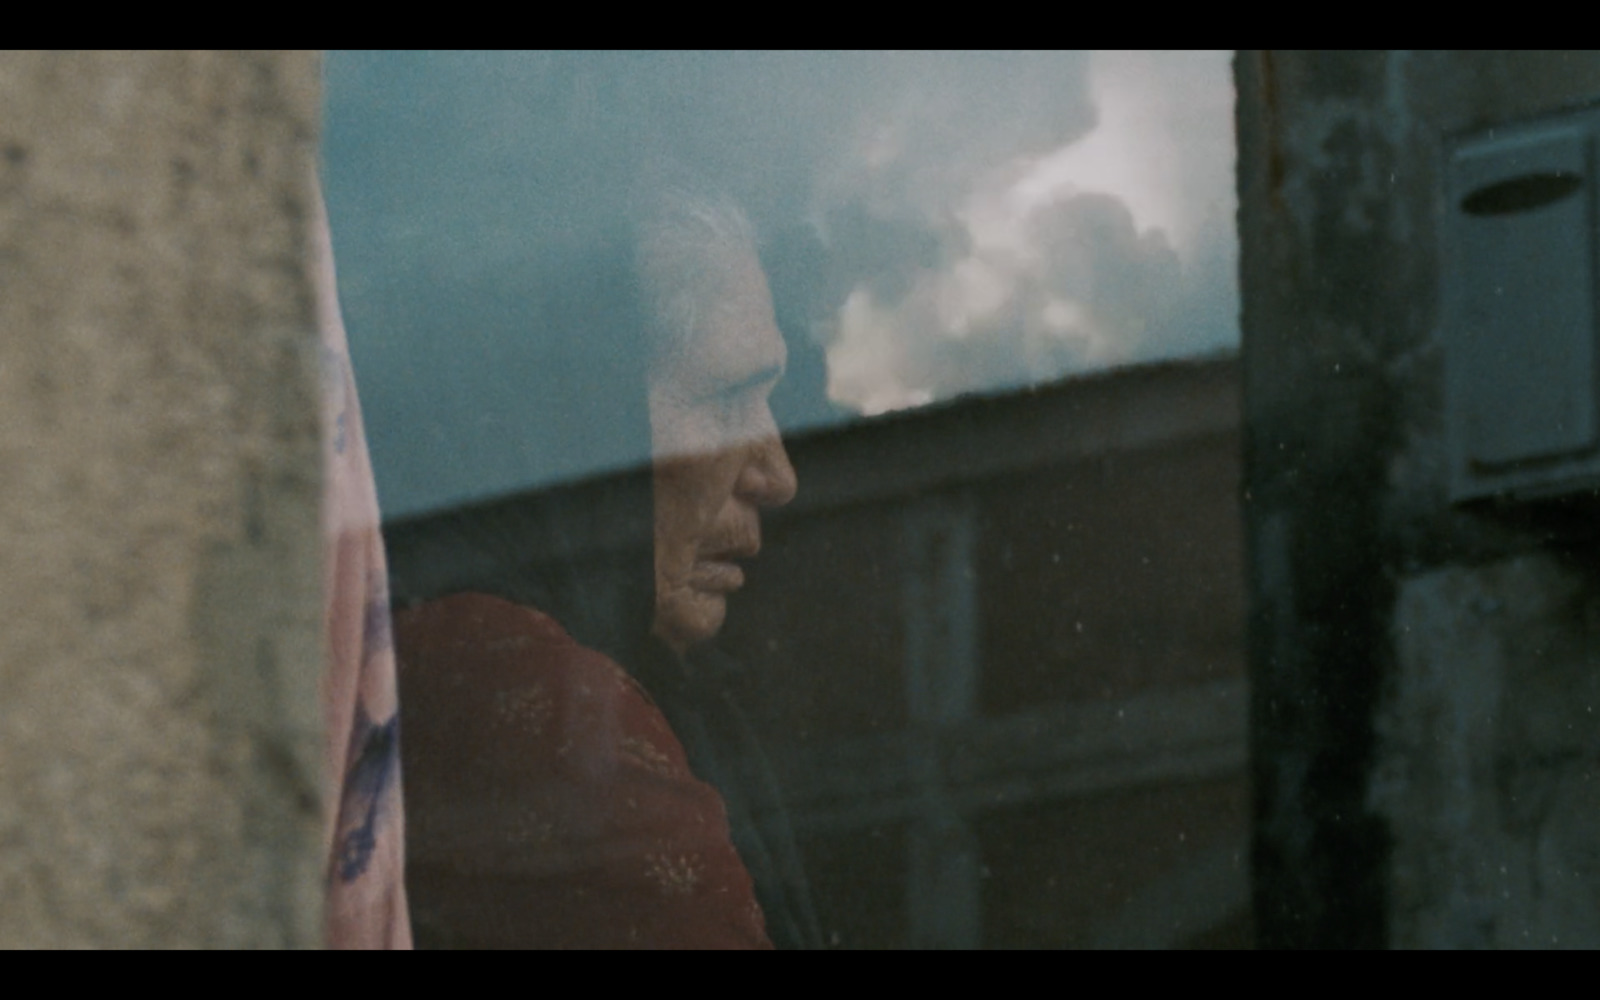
[[687, 249]]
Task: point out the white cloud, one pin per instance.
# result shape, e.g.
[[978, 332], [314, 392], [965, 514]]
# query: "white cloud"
[[1104, 250]]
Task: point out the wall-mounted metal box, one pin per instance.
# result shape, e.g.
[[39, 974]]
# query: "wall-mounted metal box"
[[1522, 350]]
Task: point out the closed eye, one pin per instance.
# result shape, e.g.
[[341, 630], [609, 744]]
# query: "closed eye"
[[767, 377]]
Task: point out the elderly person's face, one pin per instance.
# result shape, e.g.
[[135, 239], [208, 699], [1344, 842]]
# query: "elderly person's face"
[[718, 459]]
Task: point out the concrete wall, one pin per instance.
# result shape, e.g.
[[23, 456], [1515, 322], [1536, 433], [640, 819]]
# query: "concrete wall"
[[1426, 750], [160, 754]]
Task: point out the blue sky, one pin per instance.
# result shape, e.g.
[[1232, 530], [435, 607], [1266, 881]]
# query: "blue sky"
[[935, 224]]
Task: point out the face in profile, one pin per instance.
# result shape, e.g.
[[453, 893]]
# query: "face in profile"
[[718, 458]]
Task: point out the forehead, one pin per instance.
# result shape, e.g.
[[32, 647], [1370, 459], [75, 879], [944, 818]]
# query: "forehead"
[[737, 335]]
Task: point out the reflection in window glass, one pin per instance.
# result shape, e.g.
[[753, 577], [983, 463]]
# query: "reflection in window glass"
[[788, 546], [933, 224]]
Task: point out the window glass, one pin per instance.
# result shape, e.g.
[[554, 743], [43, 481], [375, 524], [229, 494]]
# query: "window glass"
[[809, 481]]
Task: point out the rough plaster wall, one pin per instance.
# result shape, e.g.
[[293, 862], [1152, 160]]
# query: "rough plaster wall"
[[1386, 796], [1492, 758], [159, 489]]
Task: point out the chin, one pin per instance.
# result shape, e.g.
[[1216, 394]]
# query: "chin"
[[691, 620]]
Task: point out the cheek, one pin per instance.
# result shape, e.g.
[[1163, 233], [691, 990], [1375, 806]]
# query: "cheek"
[[681, 429], [692, 492], [683, 515]]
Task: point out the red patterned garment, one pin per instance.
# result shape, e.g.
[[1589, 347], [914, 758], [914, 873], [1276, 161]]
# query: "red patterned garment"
[[549, 804]]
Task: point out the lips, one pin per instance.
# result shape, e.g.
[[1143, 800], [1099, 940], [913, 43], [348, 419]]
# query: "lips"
[[716, 567], [721, 575], [743, 545]]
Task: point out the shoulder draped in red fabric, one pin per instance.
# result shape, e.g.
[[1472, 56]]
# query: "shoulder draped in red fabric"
[[549, 804]]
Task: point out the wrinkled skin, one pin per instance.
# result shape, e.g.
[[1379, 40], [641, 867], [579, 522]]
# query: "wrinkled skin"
[[718, 458]]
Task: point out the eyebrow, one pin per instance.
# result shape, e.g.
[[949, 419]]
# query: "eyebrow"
[[771, 373]]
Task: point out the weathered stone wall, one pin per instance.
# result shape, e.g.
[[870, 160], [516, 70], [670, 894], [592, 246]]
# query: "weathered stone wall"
[[159, 487], [1425, 747]]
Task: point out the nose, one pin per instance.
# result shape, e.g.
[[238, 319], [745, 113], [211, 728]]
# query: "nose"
[[768, 479]]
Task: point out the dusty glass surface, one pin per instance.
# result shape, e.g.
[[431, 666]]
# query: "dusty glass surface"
[[809, 481]]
